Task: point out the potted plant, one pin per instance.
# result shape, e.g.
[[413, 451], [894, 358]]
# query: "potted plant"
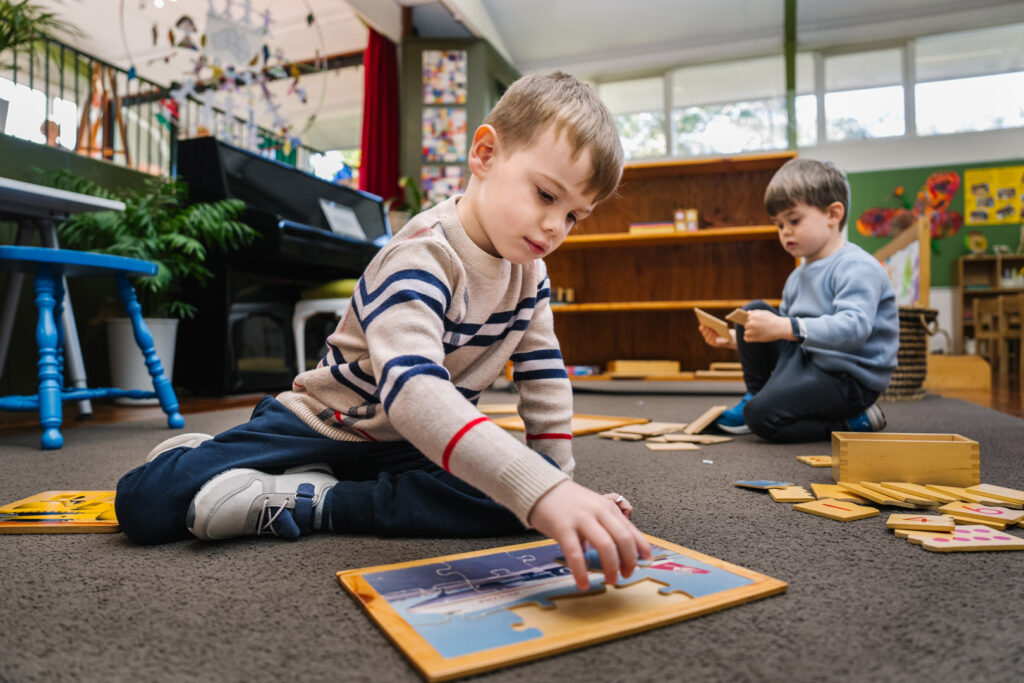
[[401, 210], [160, 226]]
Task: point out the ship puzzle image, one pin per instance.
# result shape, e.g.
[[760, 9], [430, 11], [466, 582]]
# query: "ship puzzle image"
[[458, 615]]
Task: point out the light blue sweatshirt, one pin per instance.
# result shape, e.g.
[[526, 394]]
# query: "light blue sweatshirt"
[[846, 309]]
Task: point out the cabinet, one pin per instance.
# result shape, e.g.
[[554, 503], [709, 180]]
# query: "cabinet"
[[989, 275], [635, 294]]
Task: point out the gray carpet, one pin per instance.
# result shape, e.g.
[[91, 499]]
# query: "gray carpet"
[[861, 605]]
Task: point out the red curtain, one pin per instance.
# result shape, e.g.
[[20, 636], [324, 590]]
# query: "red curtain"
[[378, 172]]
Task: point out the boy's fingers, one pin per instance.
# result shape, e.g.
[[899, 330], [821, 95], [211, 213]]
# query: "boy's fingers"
[[607, 551], [626, 546], [572, 551]]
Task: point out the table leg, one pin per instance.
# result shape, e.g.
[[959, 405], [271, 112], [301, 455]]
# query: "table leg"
[[50, 413]]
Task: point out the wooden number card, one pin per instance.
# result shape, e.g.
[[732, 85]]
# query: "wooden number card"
[[60, 512], [464, 614], [720, 327]]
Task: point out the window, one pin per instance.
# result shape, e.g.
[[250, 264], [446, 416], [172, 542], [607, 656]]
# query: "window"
[[638, 108], [864, 95], [26, 113], [970, 81]]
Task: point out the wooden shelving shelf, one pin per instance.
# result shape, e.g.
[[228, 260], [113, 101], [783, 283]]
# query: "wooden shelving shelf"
[[625, 239], [624, 306]]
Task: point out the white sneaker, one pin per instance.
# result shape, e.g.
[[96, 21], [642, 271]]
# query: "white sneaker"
[[246, 502], [190, 440]]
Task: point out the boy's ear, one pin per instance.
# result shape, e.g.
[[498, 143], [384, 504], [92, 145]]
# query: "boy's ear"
[[483, 150], [836, 212]]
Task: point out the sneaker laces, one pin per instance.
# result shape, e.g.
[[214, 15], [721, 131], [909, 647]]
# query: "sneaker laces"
[[279, 514]]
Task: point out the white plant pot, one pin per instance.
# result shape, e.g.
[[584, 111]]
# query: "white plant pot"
[[127, 364]]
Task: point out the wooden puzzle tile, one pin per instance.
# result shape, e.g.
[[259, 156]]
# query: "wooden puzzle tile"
[[973, 539], [919, 490], [816, 460], [702, 422], [963, 494], [998, 492], [680, 446], [910, 498], [916, 537], [984, 512], [703, 439], [581, 424], [791, 494], [60, 512], [762, 484], [960, 519], [838, 493], [738, 316], [921, 522], [873, 496], [839, 510], [616, 435], [653, 428], [720, 327]]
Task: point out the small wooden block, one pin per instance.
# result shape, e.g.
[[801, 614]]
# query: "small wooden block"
[[679, 446], [705, 439], [838, 510], [873, 496], [963, 494], [792, 494], [643, 368], [720, 327], [701, 423], [718, 374], [834, 491], [816, 460], [998, 492], [921, 522], [918, 490], [984, 512], [973, 539], [616, 435], [738, 316], [908, 498], [725, 365], [960, 519], [653, 428], [762, 484]]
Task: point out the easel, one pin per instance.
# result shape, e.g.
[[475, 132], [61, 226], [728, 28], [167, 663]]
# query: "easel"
[[103, 97]]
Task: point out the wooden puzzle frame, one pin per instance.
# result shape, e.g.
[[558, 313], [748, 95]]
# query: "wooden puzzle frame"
[[614, 622], [60, 512]]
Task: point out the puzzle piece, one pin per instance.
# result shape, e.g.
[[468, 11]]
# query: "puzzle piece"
[[918, 490], [791, 494], [617, 435], [998, 492], [701, 423], [816, 460], [910, 498], [960, 519], [720, 327], [762, 484], [738, 316], [703, 439], [836, 492], [873, 496], [60, 512], [965, 495], [921, 522], [984, 512], [973, 539], [835, 509], [652, 428]]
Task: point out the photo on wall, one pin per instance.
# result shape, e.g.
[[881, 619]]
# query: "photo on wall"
[[444, 135], [444, 76]]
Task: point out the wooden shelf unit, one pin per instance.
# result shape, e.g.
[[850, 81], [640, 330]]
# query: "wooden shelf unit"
[[635, 294], [978, 277]]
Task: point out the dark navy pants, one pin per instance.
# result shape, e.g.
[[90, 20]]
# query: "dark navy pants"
[[795, 400], [385, 488]]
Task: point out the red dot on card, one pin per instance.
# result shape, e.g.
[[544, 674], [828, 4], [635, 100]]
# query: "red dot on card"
[[982, 531], [1002, 538], [960, 538], [942, 540]]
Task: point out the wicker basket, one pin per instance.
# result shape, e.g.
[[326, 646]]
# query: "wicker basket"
[[916, 325]]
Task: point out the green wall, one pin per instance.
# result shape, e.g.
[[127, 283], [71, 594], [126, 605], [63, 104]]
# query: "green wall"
[[874, 189]]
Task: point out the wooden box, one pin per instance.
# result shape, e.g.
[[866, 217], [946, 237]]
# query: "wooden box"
[[946, 459]]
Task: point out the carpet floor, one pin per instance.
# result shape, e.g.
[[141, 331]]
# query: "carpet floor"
[[861, 604]]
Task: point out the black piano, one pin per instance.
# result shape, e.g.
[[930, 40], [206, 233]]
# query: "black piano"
[[311, 232]]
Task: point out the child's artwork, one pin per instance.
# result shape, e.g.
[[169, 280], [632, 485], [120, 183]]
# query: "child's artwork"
[[444, 76], [60, 512], [463, 614], [444, 135], [994, 195], [440, 182]]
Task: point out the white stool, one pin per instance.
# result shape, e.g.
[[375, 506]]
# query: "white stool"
[[332, 297]]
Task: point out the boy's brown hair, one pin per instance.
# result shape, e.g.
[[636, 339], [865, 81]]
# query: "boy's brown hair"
[[807, 181], [556, 98]]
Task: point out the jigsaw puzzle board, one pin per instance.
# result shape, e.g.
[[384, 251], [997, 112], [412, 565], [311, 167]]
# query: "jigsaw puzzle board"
[[463, 614], [60, 512]]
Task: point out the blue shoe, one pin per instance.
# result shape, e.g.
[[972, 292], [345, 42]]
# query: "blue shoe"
[[871, 420], [731, 420]]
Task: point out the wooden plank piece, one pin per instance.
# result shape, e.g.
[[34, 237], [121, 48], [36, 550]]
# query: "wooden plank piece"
[[679, 446], [702, 422], [738, 316], [720, 327], [997, 492], [839, 510], [792, 494], [984, 512], [943, 523], [919, 490]]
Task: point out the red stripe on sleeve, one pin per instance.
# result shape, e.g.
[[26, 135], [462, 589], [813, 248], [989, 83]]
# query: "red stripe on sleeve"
[[553, 435], [455, 440]]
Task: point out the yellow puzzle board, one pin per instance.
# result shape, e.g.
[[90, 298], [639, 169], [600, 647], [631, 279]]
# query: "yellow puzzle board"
[[60, 512], [581, 424], [463, 614]]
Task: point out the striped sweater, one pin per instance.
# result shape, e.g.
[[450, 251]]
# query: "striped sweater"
[[433, 322]]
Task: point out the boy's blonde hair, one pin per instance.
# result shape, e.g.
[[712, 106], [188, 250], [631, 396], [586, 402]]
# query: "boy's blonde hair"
[[545, 98], [807, 181]]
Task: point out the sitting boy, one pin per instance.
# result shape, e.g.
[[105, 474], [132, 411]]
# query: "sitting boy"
[[383, 436], [818, 363]]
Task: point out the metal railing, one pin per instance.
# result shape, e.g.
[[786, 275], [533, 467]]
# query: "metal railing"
[[125, 119]]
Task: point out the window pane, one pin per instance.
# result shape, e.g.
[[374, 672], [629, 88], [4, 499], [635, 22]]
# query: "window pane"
[[730, 128], [966, 104], [642, 134], [863, 70], [867, 113], [630, 97], [806, 120], [970, 53]]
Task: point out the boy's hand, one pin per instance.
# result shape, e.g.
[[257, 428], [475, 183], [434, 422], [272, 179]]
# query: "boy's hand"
[[765, 326], [624, 505], [573, 515], [712, 339]]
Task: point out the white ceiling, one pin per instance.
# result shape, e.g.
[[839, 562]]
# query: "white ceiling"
[[596, 39]]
